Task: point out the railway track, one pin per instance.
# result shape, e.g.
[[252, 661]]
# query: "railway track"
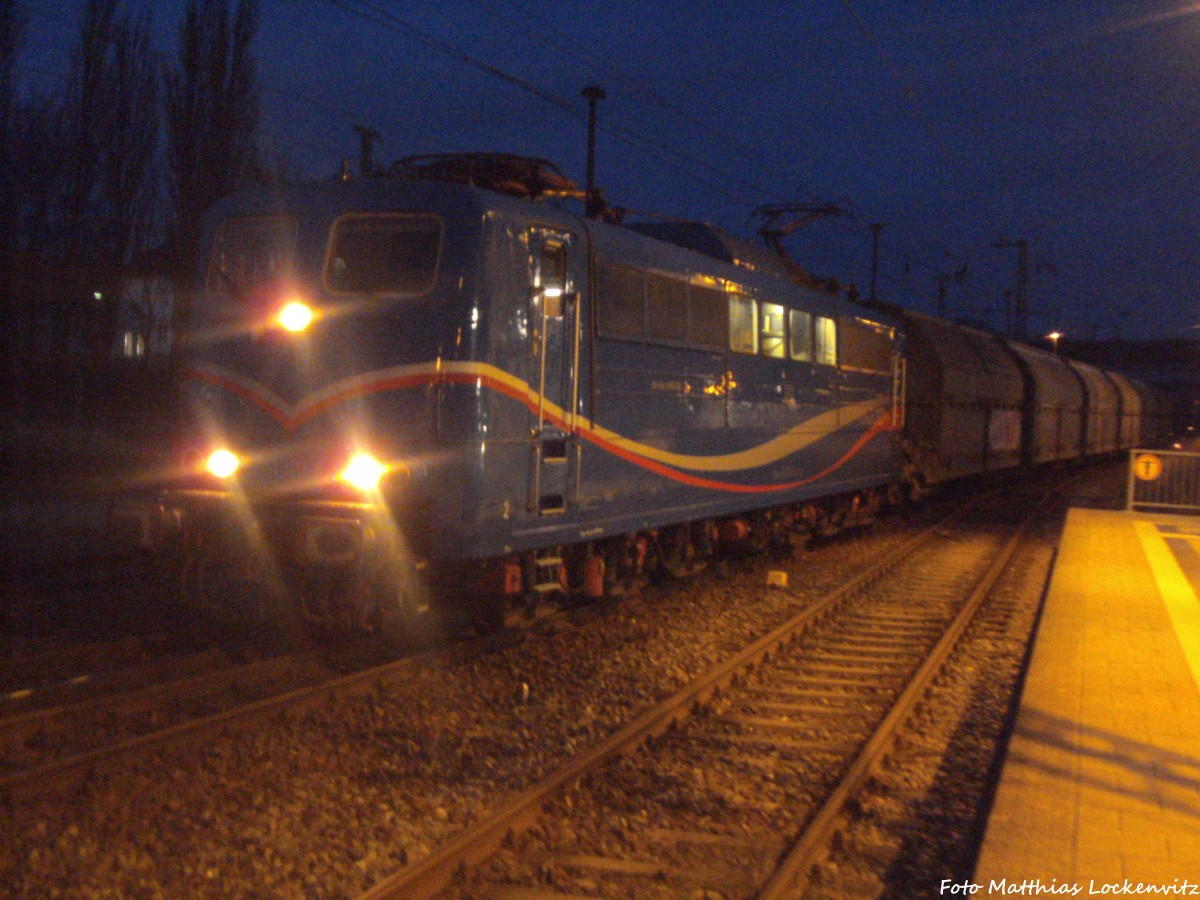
[[50, 675], [178, 701], [732, 787]]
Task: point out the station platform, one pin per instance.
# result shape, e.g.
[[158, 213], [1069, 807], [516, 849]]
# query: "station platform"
[[1100, 787]]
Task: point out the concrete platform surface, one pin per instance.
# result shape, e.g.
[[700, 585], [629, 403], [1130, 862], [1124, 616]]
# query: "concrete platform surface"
[[1100, 789]]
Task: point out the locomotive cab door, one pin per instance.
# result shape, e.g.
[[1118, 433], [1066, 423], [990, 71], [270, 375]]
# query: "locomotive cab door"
[[554, 349]]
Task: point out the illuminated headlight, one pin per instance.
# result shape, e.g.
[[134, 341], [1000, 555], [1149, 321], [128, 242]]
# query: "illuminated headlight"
[[222, 463], [363, 472], [295, 317]]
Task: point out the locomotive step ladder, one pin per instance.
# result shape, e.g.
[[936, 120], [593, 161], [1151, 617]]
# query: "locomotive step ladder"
[[556, 272], [547, 573], [552, 467]]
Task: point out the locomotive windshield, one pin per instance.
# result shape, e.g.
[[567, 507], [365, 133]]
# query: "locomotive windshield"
[[249, 252], [385, 253]]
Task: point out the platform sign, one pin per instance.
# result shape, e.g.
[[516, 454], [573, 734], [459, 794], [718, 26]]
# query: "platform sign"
[[1147, 467], [1163, 481]]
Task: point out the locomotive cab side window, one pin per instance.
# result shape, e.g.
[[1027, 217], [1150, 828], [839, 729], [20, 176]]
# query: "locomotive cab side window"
[[384, 253], [743, 324]]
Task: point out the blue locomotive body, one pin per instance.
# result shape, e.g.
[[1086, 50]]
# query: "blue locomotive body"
[[521, 383], [413, 388]]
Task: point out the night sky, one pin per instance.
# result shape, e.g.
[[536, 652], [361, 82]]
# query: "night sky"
[[957, 125]]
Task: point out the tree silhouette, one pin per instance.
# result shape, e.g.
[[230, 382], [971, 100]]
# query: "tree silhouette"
[[11, 26], [109, 127], [212, 109]]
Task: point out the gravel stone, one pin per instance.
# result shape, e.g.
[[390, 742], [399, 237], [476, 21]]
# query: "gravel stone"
[[327, 801]]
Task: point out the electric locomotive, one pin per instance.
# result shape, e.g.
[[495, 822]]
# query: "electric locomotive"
[[442, 383]]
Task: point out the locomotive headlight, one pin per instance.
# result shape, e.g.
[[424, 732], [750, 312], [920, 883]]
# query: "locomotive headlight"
[[295, 316], [222, 463], [363, 472]]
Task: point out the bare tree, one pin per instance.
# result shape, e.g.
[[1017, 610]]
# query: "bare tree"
[[12, 24], [128, 173], [84, 126], [109, 124], [212, 109]]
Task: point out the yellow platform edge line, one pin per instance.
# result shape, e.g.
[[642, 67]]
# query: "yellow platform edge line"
[[1177, 594]]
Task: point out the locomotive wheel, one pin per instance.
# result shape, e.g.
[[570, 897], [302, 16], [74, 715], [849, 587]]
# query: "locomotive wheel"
[[677, 552], [487, 614]]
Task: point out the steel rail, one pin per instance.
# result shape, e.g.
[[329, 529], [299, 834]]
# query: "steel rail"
[[68, 663], [190, 684], [73, 769], [795, 869], [435, 872]]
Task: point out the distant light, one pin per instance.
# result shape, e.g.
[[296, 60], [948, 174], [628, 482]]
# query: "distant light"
[[295, 317], [222, 463], [364, 472], [98, 295]]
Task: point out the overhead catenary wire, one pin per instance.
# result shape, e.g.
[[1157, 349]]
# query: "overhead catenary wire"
[[659, 150], [633, 84]]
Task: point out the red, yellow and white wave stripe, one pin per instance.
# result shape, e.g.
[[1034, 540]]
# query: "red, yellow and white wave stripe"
[[676, 466]]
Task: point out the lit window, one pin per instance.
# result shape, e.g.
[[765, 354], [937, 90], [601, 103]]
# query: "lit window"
[[771, 332], [801, 346], [825, 341], [133, 345], [743, 330]]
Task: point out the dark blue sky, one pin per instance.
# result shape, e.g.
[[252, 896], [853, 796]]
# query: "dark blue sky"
[[956, 124]]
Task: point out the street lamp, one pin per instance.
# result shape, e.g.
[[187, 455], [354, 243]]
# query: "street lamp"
[[1053, 337]]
